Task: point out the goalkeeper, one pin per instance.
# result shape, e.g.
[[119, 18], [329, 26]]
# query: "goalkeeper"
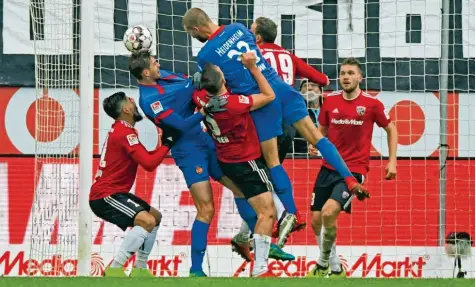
[[347, 118]]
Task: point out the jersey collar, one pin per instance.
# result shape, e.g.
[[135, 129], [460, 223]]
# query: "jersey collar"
[[216, 32], [128, 125], [350, 100]]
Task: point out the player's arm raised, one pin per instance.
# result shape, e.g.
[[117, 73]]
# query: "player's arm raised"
[[383, 121], [138, 153], [177, 122], [306, 71], [267, 94]]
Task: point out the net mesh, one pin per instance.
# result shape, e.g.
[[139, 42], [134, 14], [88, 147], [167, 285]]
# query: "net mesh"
[[398, 43]]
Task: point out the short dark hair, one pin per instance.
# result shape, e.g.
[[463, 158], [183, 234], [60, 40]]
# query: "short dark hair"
[[352, 62], [112, 105], [195, 17], [267, 29], [138, 62], [211, 79]]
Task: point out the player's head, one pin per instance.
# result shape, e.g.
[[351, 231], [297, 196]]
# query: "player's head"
[[350, 74], [197, 24], [121, 107], [143, 66], [265, 30], [213, 80]]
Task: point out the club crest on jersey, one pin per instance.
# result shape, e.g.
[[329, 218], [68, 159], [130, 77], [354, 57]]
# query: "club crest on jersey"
[[243, 100], [199, 169], [156, 107], [132, 139], [360, 110]]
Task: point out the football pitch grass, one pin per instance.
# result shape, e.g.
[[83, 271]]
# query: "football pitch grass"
[[229, 282]]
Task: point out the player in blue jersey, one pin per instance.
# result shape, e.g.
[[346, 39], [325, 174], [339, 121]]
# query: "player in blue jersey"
[[166, 99], [223, 48]]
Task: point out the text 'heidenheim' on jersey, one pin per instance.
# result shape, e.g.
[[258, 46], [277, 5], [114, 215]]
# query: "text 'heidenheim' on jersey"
[[229, 43]]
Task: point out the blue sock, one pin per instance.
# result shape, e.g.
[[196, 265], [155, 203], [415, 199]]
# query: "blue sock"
[[283, 187], [246, 212], [199, 244], [332, 156]]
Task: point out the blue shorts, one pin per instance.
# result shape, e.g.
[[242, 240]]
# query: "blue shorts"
[[199, 163], [268, 120], [292, 103], [289, 106]]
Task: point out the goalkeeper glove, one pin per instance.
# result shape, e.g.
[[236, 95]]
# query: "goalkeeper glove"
[[169, 140], [356, 188]]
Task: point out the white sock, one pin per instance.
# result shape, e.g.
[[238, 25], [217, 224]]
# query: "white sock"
[[262, 243], [132, 242], [279, 205], [328, 240], [244, 229], [145, 249], [333, 259]]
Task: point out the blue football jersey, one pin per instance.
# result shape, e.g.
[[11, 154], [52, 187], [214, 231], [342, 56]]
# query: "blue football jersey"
[[224, 50], [172, 93]]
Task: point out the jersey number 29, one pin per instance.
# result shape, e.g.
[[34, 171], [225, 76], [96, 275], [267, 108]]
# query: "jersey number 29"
[[283, 65], [212, 126]]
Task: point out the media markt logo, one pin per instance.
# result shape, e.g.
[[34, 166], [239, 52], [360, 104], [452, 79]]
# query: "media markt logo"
[[97, 265]]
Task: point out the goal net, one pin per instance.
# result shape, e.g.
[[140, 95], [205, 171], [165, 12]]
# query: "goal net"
[[397, 233]]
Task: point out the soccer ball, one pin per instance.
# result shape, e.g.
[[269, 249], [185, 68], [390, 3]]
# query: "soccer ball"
[[138, 38]]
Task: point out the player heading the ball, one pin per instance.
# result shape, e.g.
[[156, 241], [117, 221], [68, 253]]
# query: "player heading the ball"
[[239, 153], [224, 47], [110, 199]]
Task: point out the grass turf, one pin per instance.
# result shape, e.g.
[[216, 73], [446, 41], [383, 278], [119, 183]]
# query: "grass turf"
[[230, 282]]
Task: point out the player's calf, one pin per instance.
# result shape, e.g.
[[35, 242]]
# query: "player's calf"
[[202, 197], [266, 213]]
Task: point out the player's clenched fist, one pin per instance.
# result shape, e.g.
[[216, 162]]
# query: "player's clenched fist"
[[249, 59]]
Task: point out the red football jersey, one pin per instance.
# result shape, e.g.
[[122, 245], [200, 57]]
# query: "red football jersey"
[[117, 171], [350, 125], [288, 66], [233, 130]]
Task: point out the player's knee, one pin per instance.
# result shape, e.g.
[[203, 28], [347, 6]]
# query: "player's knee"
[[205, 212], [145, 220], [328, 216]]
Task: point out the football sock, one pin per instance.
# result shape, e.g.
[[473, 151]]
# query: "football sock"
[[332, 156], [131, 243], [145, 249], [328, 240], [262, 243], [283, 187], [199, 244], [279, 205], [333, 259], [246, 212]]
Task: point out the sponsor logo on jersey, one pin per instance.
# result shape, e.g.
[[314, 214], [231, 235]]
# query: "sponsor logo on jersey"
[[243, 100], [199, 169], [335, 111], [360, 110], [156, 107], [132, 139], [347, 122]]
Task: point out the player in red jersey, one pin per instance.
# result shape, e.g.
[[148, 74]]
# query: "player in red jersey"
[[110, 199], [347, 118], [288, 65], [239, 152]]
